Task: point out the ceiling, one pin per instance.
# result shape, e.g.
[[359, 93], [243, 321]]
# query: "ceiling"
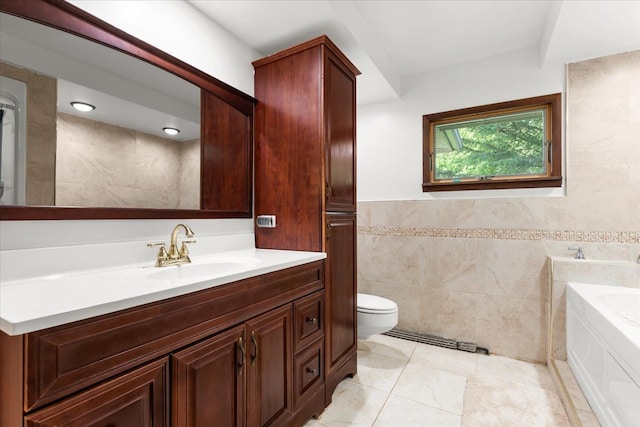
[[127, 92], [391, 40]]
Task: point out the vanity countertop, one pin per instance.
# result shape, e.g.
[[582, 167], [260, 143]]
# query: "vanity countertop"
[[32, 304]]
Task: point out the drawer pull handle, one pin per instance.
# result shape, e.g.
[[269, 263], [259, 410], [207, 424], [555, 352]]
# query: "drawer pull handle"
[[240, 345], [312, 371], [254, 341], [313, 320]]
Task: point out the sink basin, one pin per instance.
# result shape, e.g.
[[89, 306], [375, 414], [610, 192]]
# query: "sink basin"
[[203, 269]]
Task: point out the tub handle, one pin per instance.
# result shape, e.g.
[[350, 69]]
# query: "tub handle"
[[579, 254]]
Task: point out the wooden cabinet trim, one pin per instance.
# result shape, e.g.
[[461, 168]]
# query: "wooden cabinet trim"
[[11, 379], [144, 390], [318, 41]]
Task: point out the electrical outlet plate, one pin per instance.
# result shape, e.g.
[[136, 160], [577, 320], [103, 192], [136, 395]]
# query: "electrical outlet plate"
[[266, 221]]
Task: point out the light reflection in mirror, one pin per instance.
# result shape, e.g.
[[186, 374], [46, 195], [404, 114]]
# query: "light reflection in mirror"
[[101, 160]]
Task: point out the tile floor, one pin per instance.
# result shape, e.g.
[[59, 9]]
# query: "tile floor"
[[406, 384]]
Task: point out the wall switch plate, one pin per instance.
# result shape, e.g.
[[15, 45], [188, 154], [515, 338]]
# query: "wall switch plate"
[[266, 221]]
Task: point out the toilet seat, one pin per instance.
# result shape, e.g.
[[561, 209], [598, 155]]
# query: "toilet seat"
[[373, 304]]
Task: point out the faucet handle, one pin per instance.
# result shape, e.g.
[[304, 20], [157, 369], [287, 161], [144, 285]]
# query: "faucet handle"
[[579, 254], [183, 248], [162, 253]]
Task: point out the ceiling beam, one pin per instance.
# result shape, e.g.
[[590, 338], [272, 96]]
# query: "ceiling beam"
[[549, 30], [347, 11]]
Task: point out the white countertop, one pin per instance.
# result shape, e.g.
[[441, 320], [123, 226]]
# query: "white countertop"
[[35, 303]]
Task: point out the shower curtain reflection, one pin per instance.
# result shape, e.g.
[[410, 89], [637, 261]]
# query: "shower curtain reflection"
[[12, 141]]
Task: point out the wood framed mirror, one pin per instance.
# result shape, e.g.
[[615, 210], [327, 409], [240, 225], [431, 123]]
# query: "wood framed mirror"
[[225, 132]]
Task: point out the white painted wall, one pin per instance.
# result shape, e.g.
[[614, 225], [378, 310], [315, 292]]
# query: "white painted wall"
[[390, 133], [179, 29]]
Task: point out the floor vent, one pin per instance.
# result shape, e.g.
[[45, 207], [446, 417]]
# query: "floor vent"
[[435, 340]]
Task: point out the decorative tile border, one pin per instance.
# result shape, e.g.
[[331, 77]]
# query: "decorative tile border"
[[506, 234]]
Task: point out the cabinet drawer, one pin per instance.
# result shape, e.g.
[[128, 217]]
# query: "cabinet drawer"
[[307, 314], [137, 398], [308, 370]]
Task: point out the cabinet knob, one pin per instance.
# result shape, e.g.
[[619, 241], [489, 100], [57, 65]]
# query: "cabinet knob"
[[312, 371], [313, 320]]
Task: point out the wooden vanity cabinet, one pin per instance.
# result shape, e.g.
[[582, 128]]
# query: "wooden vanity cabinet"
[[222, 356], [245, 370], [305, 169]]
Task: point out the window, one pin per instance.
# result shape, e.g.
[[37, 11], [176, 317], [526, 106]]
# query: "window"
[[515, 144]]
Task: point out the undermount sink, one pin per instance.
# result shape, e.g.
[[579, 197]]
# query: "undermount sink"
[[203, 268]]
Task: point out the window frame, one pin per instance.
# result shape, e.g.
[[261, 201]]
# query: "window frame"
[[553, 178]]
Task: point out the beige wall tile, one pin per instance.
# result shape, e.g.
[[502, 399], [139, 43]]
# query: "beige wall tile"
[[513, 268], [393, 259], [450, 314], [99, 164], [486, 280], [513, 327]]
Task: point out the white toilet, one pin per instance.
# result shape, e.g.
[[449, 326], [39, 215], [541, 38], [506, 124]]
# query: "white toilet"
[[375, 315]]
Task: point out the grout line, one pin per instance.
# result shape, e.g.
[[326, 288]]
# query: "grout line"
[[406, 362]]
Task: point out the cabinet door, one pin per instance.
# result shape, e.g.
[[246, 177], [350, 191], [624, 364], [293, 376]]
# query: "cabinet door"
[[269, 382], [138, 398], [208, 382], [340, 289], [340, 89]]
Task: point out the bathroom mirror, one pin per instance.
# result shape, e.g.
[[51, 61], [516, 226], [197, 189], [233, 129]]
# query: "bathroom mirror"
[[116, 162]]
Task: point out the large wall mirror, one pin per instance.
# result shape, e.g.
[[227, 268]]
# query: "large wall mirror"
[[117, 160]]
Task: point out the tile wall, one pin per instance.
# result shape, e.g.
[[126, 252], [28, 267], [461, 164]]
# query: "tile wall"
[[99, 164], [475, 269]]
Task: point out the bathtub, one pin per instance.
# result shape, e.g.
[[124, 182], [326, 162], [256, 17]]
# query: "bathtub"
[[603, 349]]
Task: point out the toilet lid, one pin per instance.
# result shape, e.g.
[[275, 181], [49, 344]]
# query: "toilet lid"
[[374, 304]]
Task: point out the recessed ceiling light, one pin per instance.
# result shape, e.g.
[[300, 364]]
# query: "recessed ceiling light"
[[171, 131], [83, 106]]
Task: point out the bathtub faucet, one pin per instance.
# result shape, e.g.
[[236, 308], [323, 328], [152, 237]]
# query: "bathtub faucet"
[[579, 254]]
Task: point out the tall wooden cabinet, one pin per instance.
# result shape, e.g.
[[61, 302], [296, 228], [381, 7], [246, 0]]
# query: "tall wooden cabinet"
[[305, 170]]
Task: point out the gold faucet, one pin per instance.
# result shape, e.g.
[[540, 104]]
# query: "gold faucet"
[[174, 256]]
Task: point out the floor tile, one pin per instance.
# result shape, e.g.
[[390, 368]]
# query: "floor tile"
[[439, 389], [445, 359], [378, 371], [353, 405], [493, 402], [406, 384], [388, 346], [399, 411], [515, 371]]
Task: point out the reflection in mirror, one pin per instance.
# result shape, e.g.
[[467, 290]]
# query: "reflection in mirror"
[[114, 156]]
